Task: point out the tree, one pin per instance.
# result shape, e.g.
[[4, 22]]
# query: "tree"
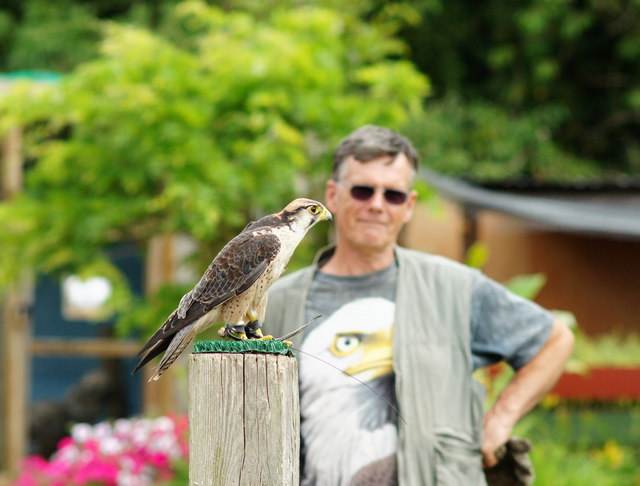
[[570, 69], [200, 131], [57, 36]]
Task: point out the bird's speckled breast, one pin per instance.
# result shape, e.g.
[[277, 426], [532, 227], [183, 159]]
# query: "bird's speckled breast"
[[254, 300]]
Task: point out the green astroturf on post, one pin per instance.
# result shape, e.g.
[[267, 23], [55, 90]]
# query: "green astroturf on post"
[[244, 346]]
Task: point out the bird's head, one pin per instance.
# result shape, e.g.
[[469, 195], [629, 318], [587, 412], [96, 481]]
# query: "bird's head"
[[304, 213]]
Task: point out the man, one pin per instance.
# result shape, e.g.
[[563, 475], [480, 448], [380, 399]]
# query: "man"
[[412, 327]]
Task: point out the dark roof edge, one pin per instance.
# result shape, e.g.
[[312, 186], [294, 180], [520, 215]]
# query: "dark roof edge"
[[573, 216]]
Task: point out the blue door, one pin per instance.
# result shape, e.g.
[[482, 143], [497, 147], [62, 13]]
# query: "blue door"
[[68, 389]]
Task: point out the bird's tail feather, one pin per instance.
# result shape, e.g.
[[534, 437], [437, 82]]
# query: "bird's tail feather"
[[179, 342], [163, 333], [148, 354]]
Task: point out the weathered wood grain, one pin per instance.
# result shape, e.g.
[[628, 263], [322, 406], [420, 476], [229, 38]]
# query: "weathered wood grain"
[[244, 420]]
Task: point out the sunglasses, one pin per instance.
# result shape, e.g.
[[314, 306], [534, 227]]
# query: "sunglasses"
[[364, 193]]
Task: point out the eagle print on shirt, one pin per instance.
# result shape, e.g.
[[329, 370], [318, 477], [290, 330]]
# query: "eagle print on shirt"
[[349, 432]]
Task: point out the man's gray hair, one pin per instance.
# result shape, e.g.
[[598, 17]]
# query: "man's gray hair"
[[370, 142]]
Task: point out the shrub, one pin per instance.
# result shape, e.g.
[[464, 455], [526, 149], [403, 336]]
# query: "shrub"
[[127, 452]]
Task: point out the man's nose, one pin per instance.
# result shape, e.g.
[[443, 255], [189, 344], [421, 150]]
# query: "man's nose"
[[377, 200]]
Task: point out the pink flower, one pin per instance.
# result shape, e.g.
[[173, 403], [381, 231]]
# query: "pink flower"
[[97, 471], [129, 452]]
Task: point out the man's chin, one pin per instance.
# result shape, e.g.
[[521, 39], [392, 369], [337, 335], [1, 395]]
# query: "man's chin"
[[373, 243]]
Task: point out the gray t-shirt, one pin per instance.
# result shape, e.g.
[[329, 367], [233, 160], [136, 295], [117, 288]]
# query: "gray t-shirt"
[[354, 335], [328, 293]]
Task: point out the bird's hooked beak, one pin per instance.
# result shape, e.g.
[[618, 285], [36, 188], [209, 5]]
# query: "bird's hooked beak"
[[325, 215]]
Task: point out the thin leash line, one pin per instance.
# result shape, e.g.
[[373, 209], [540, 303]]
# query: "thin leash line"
[[357, 379], [307, 324]]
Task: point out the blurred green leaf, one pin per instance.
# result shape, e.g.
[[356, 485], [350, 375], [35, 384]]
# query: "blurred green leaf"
[[223, 118], [480, 141], [527, 286], [477, 255], [610, 350]]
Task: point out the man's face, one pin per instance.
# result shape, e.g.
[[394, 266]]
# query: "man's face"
[[372, 224]]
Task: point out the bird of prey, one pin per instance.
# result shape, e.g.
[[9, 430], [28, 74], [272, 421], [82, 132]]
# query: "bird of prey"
[[234, 288]]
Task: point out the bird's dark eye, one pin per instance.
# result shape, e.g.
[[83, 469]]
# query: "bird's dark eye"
[[313, 209]]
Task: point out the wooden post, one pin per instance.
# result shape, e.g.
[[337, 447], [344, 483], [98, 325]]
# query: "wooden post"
[[158, 397], [244, 420], [16, 377], [16, 327], [11, 172]]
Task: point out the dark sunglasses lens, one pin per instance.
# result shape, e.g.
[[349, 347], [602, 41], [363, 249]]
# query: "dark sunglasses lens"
[[395, 197], [362, 193]]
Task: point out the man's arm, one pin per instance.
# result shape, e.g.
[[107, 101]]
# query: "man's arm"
[[528, 386]]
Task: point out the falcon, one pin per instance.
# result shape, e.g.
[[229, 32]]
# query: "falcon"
[[234, 288]]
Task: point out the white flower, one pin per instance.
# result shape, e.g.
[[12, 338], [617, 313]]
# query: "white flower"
[[163, 425], [102, 430], [110, 446], [129, 479], [127, 464], [162, 444], [123, 427], [139, 436], [81, 433]]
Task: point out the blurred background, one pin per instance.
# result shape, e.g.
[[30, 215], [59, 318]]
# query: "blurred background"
[[139, 136]]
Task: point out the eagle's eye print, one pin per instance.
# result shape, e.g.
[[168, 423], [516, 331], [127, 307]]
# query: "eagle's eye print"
[[344, 344], [314, 209]]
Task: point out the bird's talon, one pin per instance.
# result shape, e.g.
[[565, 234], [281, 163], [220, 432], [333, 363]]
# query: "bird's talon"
[[253, 331], [234, 332], [257, 334]]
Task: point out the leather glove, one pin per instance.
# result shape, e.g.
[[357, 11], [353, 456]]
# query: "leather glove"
[[514, 467]]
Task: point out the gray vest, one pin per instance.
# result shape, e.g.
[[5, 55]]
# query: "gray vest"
[[439, 445]]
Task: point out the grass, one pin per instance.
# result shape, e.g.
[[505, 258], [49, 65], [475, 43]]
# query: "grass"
[[598, 446]]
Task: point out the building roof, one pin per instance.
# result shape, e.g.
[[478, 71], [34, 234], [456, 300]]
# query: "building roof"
[[599, 209]]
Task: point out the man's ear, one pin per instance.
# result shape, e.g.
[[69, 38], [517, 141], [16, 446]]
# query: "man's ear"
[[411, 204], [330, 195]]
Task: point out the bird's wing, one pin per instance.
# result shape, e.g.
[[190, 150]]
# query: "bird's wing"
[[238, 265]]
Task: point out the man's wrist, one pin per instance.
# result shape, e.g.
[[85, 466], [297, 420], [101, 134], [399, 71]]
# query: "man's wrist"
[[507, 415]]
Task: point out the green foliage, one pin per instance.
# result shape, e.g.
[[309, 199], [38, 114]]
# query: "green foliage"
[[610, 349], [482, 141], [609, 465], [527, 286], [57, 36], [572, 447], [477, 255], [198, 132], [146, 314], [46, 32], [521, 63], [582, 445], [579, 59]]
